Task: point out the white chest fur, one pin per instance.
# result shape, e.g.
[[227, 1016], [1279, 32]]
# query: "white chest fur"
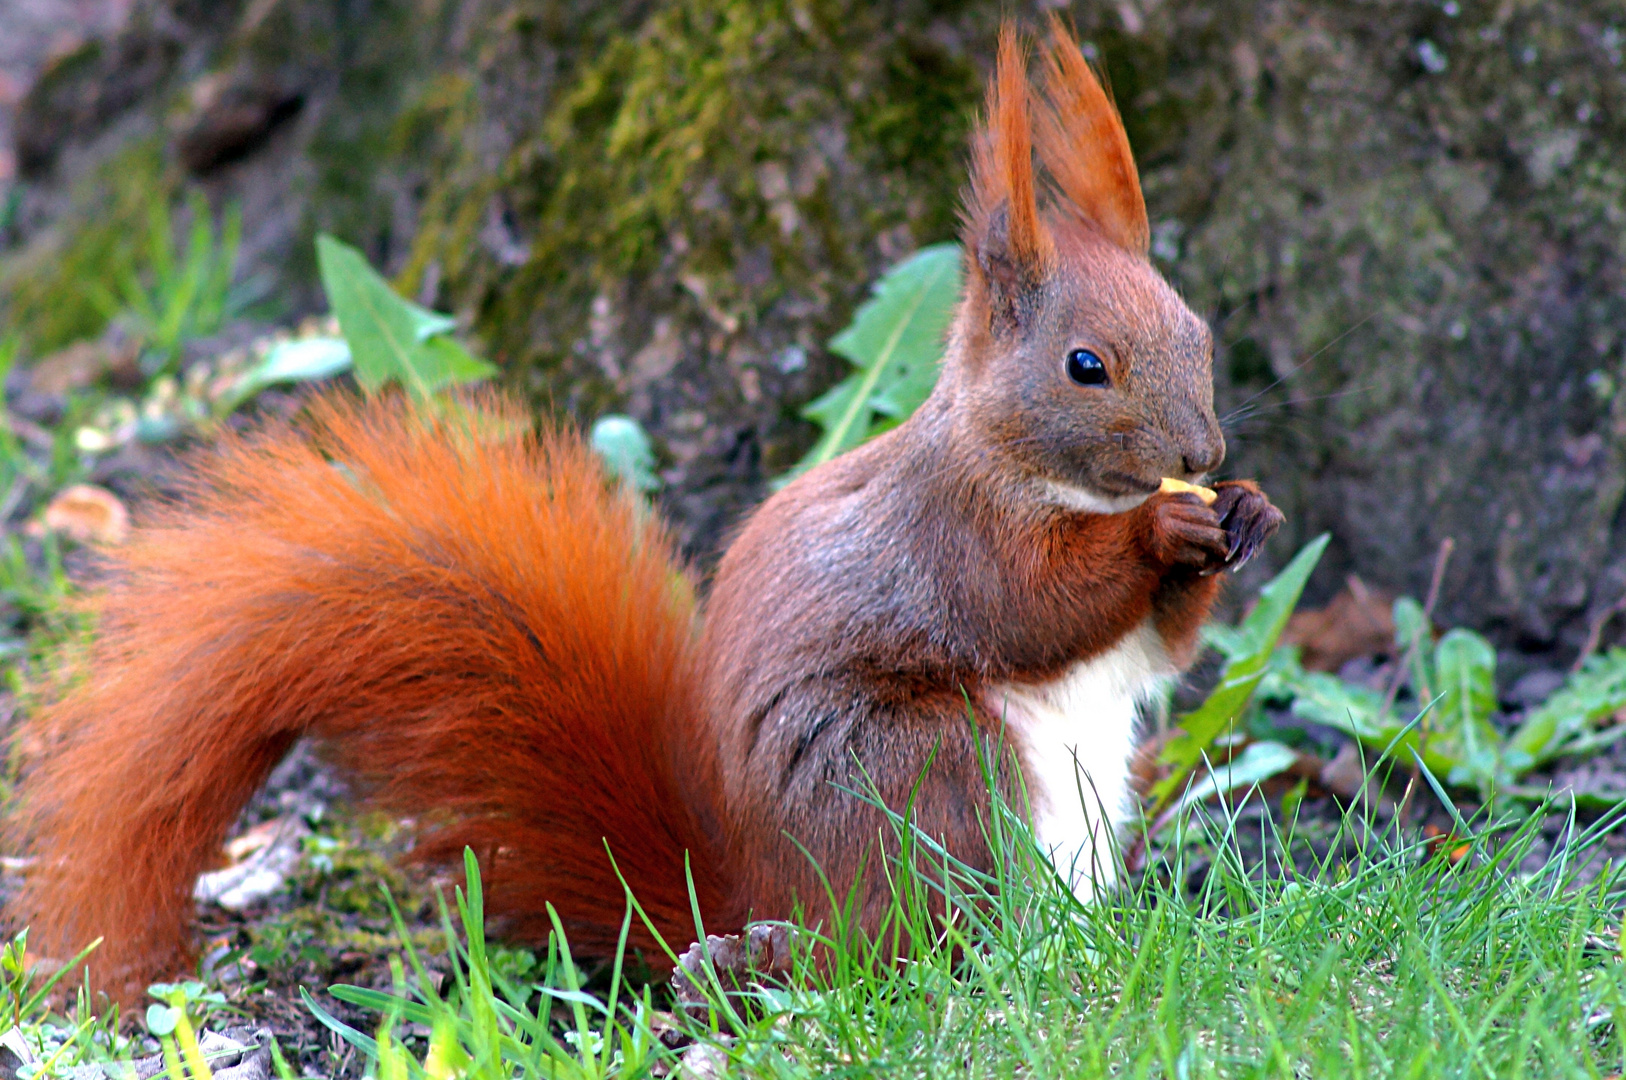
[[1074, 738]]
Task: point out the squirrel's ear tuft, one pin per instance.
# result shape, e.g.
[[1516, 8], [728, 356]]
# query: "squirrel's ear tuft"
[[1011, 247], [1082, 143]]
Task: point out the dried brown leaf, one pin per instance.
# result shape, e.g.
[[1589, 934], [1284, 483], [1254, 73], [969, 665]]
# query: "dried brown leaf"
[[763, 955], [1359, 622], [88, 514]]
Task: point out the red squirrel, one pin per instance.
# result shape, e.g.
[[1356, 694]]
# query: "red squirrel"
[[493, 641]]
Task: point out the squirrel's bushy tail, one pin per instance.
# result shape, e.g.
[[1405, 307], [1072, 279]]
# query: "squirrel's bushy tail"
[[464, 614]]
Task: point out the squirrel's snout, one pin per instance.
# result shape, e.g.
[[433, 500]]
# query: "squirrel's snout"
[[1202, 448], [1203, 460]]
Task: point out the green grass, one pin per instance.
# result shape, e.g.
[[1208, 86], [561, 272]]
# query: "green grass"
[[1379, 960]]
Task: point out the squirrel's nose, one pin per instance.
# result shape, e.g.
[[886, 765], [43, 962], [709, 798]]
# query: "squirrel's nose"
[[1193, 434], [1203, 461], [1204, 453]]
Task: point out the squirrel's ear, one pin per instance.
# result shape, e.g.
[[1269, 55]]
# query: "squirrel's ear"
[[1011, 248], [1082, 142]]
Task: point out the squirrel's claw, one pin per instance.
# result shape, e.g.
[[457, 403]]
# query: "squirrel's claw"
[[1249, 520]]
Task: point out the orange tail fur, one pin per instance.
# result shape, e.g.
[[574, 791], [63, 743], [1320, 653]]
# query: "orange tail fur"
[[487, 636]]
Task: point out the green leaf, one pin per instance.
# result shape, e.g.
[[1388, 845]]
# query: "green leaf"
[[300, 360], [895, 341], [1465, 668], [1465, 679], [447, 363], [1457, 678], [1255, 641], [1411, 624], [1223, 639], [349, 1034], [626, 451], [1594, 693], [1359, 713], [1257, 763], [1414, 637], [161, 1019], [391, 338], [1354, 710], [379, 1001], [426, 323]]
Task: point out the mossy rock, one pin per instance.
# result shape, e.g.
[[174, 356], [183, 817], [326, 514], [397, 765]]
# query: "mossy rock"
[[1402, 217], [1405, 220], [698, 210]]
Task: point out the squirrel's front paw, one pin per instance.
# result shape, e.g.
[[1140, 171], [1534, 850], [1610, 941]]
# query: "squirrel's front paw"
[[1185, 532], [1248, 518]]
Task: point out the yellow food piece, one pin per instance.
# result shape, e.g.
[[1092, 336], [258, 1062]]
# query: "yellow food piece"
[[1171, 486]]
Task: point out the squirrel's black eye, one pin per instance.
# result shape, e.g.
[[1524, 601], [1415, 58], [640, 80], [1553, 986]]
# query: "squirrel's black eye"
[[1085, 368]]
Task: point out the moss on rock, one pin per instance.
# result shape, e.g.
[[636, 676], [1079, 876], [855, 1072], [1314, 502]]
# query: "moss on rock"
[[697, 210], [59, 290]]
